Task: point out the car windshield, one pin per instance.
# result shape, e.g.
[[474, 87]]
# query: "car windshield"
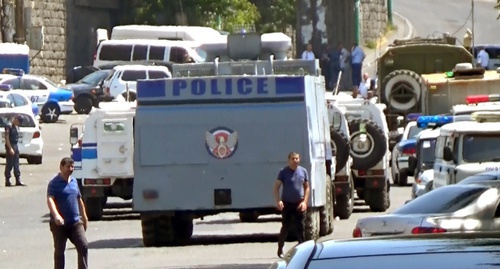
[[426, 152], [446, 199], [49, 81], [94, 78], [6, 118], [414, 131], [481, 148]]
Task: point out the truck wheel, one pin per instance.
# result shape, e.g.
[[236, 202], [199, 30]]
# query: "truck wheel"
[[149, 230], [94, 207], [327, 213], [183, 229], [344, 204], [378, 199], [249, 216], [83, 105], [312, 224], [50, 113], [401, 90], [131, 95], [403, 177], [340, 143], [366, 152]]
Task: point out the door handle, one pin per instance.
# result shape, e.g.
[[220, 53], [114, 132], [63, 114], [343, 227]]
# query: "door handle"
[[440, 168]]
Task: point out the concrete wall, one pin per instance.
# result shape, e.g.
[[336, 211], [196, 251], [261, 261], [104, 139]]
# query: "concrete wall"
[[373, 15]]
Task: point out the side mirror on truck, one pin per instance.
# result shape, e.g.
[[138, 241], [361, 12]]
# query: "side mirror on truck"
[[73, 135]]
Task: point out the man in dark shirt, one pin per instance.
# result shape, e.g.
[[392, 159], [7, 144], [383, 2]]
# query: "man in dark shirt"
[[12, 151], [293, 200], [68, 219]]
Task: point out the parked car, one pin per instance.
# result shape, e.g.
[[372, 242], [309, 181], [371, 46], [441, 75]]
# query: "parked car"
[[489, 178], [51, 99], [88, 91], [30, 136], [403, 154], [453, 208], [18, 101], [430, 251]]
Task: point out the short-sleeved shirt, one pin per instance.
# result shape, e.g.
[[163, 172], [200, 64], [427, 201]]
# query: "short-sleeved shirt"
[[13, 132], [66, 195], [293, 183], [357, 55]]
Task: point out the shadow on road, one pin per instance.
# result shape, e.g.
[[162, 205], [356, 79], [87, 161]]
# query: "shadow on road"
[[195, 240], [233, 221]]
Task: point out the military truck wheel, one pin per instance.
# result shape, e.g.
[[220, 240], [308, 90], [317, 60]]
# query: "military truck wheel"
[[249, 216], [327, 215], [403, 177], [378, 199], [344, 204], [132, 96], [401, 90], [312, 224], [150, 230], [360, 193], [183, 229], [94, 207], [340, 143], [367, 148]]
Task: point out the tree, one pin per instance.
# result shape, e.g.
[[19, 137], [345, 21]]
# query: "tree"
[[275, 15]]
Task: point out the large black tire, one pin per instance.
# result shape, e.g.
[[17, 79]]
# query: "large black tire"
[[327, 214], [364, 157], [83, 105], [378, 199], [183, 229], [401, 90], [344, 204], [340, 145], [157, 230], [94, 206], [312, 224], [403, 177], [50, 113], [132, 96]]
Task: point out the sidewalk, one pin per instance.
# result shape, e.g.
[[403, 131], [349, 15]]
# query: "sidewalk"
[[404, 30]]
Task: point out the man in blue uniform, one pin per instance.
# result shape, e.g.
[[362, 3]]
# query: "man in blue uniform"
[[68, 219], [12, 151], [293, 200]]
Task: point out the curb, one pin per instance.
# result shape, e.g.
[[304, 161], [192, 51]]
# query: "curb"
[[408, 24]]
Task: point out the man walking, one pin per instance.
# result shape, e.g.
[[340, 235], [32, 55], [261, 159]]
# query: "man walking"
[[68, 219], [293, 200], [12, 151]]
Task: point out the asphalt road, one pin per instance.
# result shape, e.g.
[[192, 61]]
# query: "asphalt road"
[[115, 242], [430, 17]]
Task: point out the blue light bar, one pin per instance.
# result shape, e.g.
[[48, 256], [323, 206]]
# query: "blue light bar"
[[13, 71], [5, 87], [433, 121], [413, 116]]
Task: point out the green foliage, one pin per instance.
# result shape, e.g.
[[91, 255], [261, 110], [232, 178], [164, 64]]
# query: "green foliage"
[[276, 15], [231, 13]]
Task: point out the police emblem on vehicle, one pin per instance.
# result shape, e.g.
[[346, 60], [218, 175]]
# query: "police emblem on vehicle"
[[221, 142]]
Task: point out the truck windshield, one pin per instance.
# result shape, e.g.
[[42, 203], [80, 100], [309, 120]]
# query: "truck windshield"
[[481, 148], [414, 131], [426, 151]]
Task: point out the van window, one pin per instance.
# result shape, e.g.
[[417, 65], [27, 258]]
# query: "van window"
[[140, 52], [154, 74], [133, 75], [177, 54], [156, 53], [115, 52]]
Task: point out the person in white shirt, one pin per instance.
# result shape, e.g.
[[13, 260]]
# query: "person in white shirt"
[[308, 54], [483, 59], [364, 86]]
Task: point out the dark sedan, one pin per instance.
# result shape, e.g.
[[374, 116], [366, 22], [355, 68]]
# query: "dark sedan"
[[452, 250], [88, 91]]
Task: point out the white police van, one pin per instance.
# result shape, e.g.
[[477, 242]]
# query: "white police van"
[[467, 148]]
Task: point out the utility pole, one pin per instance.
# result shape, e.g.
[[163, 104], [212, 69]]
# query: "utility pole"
[[20, 36]]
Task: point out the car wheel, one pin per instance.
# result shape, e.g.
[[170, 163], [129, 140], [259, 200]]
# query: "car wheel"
[[50, 113], [83, 105], [34, 160]]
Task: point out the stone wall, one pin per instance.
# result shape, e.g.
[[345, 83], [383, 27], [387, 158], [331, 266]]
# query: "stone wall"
[[373, 20], [51, 60]]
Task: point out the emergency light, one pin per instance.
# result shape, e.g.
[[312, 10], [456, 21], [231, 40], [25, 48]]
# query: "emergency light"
[[413, 116], [5, 87], [433, 121], [13, 71], [474, 99], [408, 147]]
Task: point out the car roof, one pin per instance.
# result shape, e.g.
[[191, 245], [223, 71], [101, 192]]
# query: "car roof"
[[411, 244], [140, 67]]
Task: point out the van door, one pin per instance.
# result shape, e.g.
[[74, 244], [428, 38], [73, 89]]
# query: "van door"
[[115, 145]]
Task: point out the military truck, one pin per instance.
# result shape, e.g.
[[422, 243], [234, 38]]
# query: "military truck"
[[400, 67], [213, 138]]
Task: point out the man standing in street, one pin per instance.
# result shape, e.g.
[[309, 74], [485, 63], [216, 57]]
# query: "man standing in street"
[[68, 219], [357, 58], [483, 58], [308, 54], [12, 151], [293, 200]]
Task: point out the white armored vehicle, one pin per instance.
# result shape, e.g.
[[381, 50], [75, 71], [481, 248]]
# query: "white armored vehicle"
[[213, 138]]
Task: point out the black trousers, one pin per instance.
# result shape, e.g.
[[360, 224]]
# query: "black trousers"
[[12, 162], [76, 234], [292, 217]]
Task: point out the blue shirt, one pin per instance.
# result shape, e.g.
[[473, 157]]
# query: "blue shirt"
[[357, 55], [13, 134], [293, 184], [66, 195]]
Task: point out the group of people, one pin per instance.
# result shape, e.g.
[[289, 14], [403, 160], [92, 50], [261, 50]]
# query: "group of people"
[[343, 68]]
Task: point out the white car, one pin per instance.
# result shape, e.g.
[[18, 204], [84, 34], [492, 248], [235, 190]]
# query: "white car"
[[401, 157], [51, 99], [30, 136], [19, 102]]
